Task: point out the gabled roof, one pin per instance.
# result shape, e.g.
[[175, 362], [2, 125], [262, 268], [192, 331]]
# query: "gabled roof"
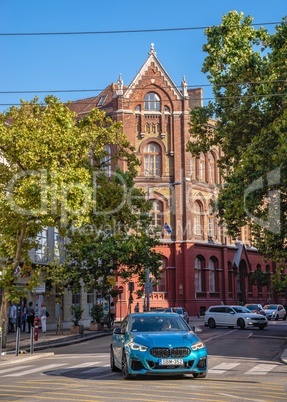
[[239, 254], [152, 58], [84, 106]]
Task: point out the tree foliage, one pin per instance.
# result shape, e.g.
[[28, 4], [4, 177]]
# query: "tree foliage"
[[247, 69], [117, 241], [46, 179]]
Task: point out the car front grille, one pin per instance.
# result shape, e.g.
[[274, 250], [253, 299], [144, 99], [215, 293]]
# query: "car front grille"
[[259, 319], [164, 353]]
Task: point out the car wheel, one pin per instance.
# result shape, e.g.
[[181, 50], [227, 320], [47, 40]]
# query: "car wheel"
[[112, 361], [241, 323], [277, 317], [284, 318], [211, 323], [261, 326], [125, 369], [200, 375]]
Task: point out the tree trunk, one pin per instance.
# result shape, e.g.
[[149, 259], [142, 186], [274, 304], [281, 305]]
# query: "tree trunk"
[[4, 317]]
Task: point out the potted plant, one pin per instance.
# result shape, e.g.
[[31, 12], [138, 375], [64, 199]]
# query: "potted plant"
[[97, 314], [76, 313]]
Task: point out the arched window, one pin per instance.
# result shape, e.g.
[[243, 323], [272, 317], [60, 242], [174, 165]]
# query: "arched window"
[[201, 168], [198, 219], [157, 214], [211, 168], [198, 274], [152, 160], [213, 279], [161, 282], [152, 102]]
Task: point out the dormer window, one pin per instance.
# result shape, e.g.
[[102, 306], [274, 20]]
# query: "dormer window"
[[102, 100], [152, 102]]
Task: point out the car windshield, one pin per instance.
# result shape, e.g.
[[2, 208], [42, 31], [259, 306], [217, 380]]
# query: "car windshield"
[[270, 307], [241, 309], [157, 323]]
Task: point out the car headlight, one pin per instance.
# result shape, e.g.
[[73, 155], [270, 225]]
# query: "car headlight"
[[197, 346], [248, 318], [137, 346]]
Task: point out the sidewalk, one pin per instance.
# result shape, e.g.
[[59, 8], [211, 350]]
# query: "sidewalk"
[[46, 340]]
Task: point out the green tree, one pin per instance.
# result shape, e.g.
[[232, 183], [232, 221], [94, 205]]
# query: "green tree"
[[46, 179], [247, 68], [116, 242], [260, 279]]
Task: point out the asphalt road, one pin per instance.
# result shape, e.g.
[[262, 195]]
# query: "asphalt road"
[[244, 365]]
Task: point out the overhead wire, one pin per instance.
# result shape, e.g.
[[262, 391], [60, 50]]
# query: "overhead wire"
[[124, 31]]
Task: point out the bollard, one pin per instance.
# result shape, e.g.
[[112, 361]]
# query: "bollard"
[[36, 328], [17, 341], [0, 342], [32, 341]]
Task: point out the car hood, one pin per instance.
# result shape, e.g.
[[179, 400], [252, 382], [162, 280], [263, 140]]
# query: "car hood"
[[169, 339], [250, 315], [269, 311]]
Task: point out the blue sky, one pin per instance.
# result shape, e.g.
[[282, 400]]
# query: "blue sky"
[[91, 62]]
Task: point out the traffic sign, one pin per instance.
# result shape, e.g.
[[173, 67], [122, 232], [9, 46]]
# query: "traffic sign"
[[121, 289]]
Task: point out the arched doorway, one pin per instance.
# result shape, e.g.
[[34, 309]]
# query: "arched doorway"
[[241, 282]]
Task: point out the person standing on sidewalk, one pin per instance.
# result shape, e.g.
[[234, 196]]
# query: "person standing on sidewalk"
[[30, 313], [12, 317], [43, 317]]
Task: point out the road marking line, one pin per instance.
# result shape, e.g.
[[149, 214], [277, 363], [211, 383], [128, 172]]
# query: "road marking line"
[[261, 369], [221, 368], [87, 364], [13, 369], [39, 369]]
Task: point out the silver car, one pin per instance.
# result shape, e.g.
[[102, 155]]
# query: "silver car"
[[179, 310], [275, 312]]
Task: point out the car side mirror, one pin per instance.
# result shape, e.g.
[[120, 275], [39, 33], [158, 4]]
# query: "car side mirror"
[[196, 329], [119, 331]]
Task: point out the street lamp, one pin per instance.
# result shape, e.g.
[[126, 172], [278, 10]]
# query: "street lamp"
[[148, 285]]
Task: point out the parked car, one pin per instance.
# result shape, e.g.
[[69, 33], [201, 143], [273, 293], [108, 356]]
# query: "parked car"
[[179, 310], [255, 308], [157, 343], [275, 312], [233, 316]]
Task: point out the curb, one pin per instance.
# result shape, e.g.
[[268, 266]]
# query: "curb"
[[284, 357]]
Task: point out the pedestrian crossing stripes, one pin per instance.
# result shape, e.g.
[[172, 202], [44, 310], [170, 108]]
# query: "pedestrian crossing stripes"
[[92, 368]]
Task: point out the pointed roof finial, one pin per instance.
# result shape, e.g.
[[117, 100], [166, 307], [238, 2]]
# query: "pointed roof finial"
[[184, 86], [152, 51], [120, 82]]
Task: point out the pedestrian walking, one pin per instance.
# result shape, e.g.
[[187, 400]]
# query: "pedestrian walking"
[[30, 313], [43, 317]]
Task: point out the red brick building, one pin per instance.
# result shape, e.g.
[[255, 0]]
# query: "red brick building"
[[201, 266]]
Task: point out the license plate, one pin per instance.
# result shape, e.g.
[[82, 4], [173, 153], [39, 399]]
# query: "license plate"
[[170, 362]]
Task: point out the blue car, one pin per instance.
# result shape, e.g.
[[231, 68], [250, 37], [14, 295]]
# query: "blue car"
[[157, 343]]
